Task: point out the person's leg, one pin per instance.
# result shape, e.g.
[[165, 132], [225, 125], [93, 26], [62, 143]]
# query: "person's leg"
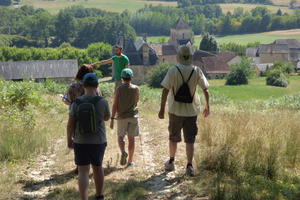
[[99, 179], [97, 158], [189, 152], [190, 131], [83, 181], [132, 132], [131, 147], [121, 143], [172, 149]]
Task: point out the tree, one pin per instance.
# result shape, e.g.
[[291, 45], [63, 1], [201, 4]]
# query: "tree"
[[5, 2], [279, 12], [277, 78], [240, 73], [209, 43], [65, 27]]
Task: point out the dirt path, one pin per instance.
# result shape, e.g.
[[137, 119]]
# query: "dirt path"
[[44, 178]]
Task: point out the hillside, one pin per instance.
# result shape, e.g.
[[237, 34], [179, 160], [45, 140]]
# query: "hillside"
[[111, 5], [266, 37], [229, 7]]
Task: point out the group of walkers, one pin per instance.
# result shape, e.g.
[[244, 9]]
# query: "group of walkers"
[[86, 132]]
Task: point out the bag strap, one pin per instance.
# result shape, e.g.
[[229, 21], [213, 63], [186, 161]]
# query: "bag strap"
[[180, 73], [191, 75]]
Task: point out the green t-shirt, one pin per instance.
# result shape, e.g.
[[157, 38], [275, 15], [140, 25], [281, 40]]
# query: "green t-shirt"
[[119, 65]]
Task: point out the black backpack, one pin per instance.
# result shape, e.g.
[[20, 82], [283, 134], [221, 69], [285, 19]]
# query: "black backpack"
[[86, 115], [183, 94]]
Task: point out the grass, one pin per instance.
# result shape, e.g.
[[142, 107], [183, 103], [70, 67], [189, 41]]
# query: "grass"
[[249, 154], [109, 5], [229, 7], [243, 152], [263, 38], [256, 90]]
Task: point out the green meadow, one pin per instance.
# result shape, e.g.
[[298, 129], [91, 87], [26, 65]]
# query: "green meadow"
[[111, 5], [263, 38], [256, 90]]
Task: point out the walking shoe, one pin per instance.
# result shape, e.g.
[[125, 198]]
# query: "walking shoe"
[[123, 160], [169, 166], [130, 164], [190, 171]]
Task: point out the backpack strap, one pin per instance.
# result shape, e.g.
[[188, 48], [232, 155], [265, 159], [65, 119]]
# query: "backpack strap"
[[180, 73], [191, 75]]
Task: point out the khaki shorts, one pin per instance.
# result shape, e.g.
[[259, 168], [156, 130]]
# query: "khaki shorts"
[[189, 126], [117, 84], [129, 127]]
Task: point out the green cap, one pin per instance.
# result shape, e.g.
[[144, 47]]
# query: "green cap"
[[127, 73]]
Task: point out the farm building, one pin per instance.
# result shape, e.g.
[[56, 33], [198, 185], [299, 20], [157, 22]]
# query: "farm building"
[[215, 65], [280, 50], [53, 69]]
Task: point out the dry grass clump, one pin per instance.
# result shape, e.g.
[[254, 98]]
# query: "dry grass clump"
[[251, 154]]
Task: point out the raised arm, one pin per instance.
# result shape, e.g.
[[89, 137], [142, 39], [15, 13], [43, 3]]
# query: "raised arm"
[[103, 62]]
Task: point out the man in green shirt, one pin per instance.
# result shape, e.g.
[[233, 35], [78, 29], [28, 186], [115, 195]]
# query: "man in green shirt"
[[120, 62]]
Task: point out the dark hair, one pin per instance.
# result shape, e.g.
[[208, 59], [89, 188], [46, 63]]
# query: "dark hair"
[[118, 47], [83, 70], [90, 84], [127, 79]]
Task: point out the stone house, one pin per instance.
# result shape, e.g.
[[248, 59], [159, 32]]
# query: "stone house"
[[215, 66], [287, 50]]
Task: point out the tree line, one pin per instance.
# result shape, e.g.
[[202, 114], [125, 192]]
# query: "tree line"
[[157, 20], [81, 26], [76, 25]]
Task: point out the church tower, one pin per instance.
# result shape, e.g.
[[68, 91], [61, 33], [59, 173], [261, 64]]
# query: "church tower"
[[181, 34]]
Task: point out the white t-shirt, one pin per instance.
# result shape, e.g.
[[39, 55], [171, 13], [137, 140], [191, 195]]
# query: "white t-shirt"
[[173, 81]]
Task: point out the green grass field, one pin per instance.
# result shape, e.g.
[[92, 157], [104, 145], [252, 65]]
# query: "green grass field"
[[109, 5], [256, 90], [264, 38], [226, 7]]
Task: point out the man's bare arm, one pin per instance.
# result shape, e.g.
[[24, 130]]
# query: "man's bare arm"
[[103, 62], [206, 111], [70, 130], [164, 97], [114, 108]]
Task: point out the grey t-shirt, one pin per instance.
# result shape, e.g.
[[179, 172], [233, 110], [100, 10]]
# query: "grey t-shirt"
[[102, 111]]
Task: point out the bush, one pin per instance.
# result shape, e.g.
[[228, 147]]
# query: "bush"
[[277, 78], [156, 76], [287, 67], [240, 73]]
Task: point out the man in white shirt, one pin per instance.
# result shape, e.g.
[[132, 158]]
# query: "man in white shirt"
[[180, 86]]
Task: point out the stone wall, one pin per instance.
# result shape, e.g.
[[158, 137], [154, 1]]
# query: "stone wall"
[[38, 69]]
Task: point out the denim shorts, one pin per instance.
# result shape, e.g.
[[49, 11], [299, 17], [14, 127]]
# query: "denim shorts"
[[86, 154]]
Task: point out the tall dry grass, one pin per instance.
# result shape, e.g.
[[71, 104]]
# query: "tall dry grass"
[[251, 154]]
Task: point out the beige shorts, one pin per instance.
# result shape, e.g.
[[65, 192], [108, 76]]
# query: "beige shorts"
[[129, 127]]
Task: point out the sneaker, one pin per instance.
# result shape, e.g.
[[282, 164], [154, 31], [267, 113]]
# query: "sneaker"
[[123, 160], [190, 171], [169, 166], [130, 164]]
